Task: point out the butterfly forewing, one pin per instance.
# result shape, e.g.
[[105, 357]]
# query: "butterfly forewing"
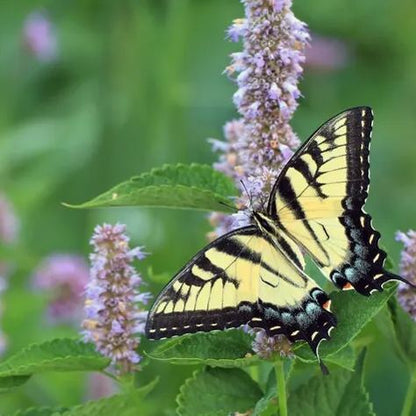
[[319, 197], [212, 291], [242, 278]]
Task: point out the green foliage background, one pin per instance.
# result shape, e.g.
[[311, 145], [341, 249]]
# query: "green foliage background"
[[138, 84]]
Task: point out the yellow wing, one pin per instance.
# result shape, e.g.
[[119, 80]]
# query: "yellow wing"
[[243, 278], [318, 200]]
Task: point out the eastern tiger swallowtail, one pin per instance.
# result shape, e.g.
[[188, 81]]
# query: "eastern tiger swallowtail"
[[255, 275]]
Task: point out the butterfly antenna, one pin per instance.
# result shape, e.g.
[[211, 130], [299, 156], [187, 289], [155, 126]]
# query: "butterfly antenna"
[[250, 198]]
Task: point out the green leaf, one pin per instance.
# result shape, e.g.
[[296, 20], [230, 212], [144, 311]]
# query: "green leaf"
[[174, 186], [7, 383], [355, 399], [405, 331], [127, 404], [341, 393], [56, 355], [353, 312], [41, 411], [231, 348], [344, 358], [218, 392], [267, 405], [384, 323]]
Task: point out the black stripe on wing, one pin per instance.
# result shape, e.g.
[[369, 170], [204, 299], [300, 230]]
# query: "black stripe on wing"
[[179, 323], [364, 270], [359, 125], [162, 324]]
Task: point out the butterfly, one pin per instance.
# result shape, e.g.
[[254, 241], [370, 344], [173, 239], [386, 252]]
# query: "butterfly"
[[255, 275]]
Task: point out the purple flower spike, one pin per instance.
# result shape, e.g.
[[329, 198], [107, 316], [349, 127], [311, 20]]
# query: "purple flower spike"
[[406, 294], [259, 143], [39, 37], [113, 318], [64, 276], [8, 222], [237, 30], [269, 67], [266, 347]]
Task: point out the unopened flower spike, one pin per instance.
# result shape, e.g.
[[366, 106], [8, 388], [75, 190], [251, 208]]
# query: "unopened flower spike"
[[406, 294], [114, 319]]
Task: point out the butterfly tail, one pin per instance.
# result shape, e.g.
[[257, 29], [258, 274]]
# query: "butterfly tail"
[[324, 368], [394, 277]]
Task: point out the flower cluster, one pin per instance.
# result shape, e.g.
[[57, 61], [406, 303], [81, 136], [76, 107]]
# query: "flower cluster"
[[113, 317], [64, 276], [407, 294], [8, 222], [268, 68], [266, 347], [39, 37]]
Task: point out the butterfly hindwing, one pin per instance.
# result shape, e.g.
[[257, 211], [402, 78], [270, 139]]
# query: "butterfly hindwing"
[[319, 197], [242, 278]]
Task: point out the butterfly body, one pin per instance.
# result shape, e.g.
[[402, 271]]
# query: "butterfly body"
[[255, 275]]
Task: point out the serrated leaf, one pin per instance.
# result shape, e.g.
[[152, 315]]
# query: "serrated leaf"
[[56, 355], [344, 358], [353, 312], [405, 331], [218, 392], [341, 393], [384, 323], [175, 186], [226, 349], [355, 399], [265, 405], [41, 411], [120, 404]]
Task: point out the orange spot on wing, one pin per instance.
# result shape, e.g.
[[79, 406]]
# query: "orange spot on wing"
[[327, 305], [348, 286]]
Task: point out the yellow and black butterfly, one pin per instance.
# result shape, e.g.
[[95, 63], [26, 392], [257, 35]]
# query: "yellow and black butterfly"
[[255, 275]]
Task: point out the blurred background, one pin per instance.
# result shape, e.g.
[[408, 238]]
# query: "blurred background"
[[95, 92]]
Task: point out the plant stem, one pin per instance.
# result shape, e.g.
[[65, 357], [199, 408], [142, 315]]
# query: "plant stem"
[[108, 374], [255, 372], [281, 387], [410, 395]]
